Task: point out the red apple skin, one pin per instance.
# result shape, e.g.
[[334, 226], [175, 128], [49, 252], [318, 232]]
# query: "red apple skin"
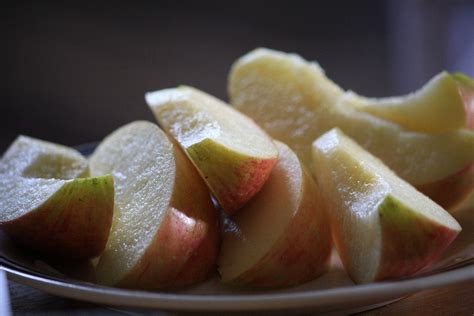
[[202, 259], [76, 228], [184, 249], [409, 242], [452, 190], [256, 172], [167, 254], [303, 251], [232, 183], [467, 95], [195, 269]]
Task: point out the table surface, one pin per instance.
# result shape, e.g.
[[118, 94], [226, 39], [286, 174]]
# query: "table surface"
[[452, 300]]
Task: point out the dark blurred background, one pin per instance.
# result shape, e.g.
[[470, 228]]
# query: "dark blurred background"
[[73, 73]]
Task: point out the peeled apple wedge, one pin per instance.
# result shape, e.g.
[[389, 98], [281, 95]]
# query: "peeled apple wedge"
[[383, 228], [437, 107], [282, 236], [295, 102], [232, 154], [164, 232], [62, 218], [33, 158]]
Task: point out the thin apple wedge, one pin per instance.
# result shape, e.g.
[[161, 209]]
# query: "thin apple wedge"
[[33, 158], [295, 102], [383, 228], [164, 232], [63, 218], [437, 107], [281, 237], [466, 90], [232, 154], [453, 190]]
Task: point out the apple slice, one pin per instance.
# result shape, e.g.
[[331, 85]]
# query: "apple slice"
[[295, 102], [466, 90], [453, 190], [383, 227], [281, 237], [64, 218], [164, 231], [435, 108], [34, 158], [232, 154]]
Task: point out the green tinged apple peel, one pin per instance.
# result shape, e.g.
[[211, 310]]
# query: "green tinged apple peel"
[[66, 218], [412, 234], [233, 155], [463, 79]]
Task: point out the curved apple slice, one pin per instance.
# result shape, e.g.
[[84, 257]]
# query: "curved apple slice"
[[466, 90], [295, 102], [65, 218], [452, 191], [163, 217], [281, 237], [34, 158], [437, 107], [232, 154], [383, 227]]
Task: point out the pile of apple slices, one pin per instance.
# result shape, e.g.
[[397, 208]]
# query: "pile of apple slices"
[[426, 137], [142, 202]]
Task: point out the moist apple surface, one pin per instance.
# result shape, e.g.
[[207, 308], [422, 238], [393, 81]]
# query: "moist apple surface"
[[34, 158]]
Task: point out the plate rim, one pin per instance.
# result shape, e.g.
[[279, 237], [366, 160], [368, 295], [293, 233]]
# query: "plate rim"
[[111, 296]]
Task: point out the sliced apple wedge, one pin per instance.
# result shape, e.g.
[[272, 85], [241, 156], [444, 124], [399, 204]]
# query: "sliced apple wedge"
[[232, 154], [383, 227], [466, 90], [295, 102], [281, 237], [453, 190], [33, 158], [164, 218], [64, 218], [435, 108]]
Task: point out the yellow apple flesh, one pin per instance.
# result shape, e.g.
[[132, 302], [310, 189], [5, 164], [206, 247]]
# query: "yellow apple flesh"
[[232, 154], [34, 158], [383, 228], [295, 102], [281, 237], [164, 219], [63, 218], [437, 107]]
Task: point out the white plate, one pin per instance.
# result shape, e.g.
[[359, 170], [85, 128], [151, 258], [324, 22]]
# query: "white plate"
[[333, 291], [360, 297]]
